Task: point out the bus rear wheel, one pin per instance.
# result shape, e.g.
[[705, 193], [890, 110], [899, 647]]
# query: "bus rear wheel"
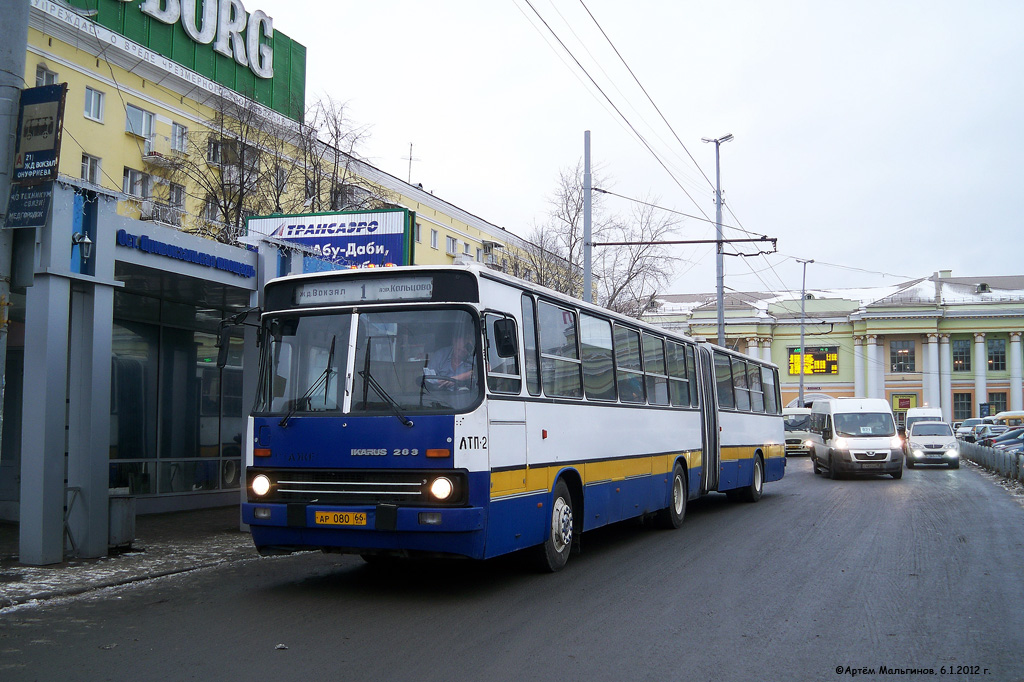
[[554, 553], [752, 493], [672, 516]]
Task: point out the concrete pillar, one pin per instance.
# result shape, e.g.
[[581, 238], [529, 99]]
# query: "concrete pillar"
[[880, 368], [980, 371], [766, 349], [858, 367], [41, 512], [1016, 384], [946, 377], [934, 393], [873, 363], [753, 349], [923, 368]]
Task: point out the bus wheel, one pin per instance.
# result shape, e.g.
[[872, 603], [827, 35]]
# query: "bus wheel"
[[554, 553], [672, 517], [752, 493]]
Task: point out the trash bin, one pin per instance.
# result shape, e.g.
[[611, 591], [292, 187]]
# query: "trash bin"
[[121, 533]]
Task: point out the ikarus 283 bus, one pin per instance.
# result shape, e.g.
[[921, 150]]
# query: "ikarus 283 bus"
[[458, 411]]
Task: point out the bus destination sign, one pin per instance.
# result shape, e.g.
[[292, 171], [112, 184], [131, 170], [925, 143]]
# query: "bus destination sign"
[[365, 291]]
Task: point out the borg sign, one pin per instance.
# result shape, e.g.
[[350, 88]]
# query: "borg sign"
[[222, 23]]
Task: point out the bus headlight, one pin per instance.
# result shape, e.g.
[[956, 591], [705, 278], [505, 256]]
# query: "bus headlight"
[[441, 488], [260, 484]]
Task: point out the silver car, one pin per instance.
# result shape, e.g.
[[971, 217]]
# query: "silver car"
[[932, 443]]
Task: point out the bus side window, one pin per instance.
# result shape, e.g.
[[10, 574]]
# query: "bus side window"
[[628, 366], [530, 346], [502, 373], [770, 383], [754, 385], [739, 382], [678, 383], [723, 378], [560, 360]]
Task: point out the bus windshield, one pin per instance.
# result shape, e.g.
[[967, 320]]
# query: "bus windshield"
[[407, 362], [864, 424]]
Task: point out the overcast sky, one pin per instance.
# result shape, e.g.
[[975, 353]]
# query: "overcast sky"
[[880, 138]]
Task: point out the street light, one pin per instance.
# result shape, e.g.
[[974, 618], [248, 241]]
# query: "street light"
[[803, 319], [719, 263], [83, 243]]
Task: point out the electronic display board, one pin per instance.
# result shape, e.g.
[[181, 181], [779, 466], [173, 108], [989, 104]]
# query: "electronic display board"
[[818, 360]]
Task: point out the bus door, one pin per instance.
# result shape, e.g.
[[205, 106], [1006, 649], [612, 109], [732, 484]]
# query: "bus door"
[[506, 414], [710, 429]]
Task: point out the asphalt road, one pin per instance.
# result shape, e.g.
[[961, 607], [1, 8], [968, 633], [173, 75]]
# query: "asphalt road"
[[920, 573]]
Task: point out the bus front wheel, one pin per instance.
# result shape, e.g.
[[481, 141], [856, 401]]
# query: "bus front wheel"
[[554, 553]]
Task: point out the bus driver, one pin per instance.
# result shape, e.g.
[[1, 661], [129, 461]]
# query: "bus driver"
[[455, 364]]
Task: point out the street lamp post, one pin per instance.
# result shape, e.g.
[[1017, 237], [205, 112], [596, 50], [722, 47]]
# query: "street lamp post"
[[803, 320], [719, 263]]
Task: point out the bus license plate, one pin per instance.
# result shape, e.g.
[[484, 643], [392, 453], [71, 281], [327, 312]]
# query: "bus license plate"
[[340, 518]]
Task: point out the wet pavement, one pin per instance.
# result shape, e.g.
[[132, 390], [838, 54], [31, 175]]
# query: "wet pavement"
[[164, 544]]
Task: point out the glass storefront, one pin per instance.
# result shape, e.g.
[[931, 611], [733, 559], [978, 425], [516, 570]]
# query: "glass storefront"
[[176, 418]]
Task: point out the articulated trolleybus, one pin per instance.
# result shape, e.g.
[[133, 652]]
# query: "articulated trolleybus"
[[458, 411]]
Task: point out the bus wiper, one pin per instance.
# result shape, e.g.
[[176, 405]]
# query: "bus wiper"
[[368, 378], [324, 378]]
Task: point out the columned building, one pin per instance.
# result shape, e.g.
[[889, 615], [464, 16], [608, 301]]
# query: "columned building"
[[941, 341]]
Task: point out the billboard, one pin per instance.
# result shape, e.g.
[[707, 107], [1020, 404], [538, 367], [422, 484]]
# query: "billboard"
[[344, 238]]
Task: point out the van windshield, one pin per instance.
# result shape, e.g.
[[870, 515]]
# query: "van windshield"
[[864, 424], [796, 422], [926, 429]]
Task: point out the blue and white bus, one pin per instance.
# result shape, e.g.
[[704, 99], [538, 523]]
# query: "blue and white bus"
[[455, 410]]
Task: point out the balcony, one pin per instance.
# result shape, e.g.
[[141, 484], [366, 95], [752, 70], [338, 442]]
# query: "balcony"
[[160, 212]]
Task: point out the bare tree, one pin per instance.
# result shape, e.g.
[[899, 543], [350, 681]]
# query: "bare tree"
[[626, 278], [630, 275]]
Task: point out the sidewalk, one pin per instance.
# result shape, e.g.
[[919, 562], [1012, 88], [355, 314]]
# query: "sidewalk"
[[164, 544]]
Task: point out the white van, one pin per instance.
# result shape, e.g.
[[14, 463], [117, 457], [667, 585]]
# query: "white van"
[[922, 414], [796, 421], [855, 435]]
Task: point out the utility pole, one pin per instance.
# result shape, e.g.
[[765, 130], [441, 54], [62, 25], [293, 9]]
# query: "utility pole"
[[588, 294], [803, 320], [719, 261], [13, 45]]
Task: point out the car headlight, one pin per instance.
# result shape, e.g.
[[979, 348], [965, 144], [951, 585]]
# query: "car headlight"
[[260, 485]]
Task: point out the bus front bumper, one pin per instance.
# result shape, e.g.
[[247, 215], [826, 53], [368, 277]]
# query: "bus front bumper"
[[446, 530]]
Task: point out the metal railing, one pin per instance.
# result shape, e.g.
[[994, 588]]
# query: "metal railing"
[[1007, 464]]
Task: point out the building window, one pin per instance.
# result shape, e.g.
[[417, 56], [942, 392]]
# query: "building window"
[[901, 356], [997, 355], [44, 76], [996, 403], [90, 169], [467, 249], [135, 183], [179, 138], [211, 211], [962, 355], [433, 239], [962, 408], [416, 231], [94, 104], [140, 122], [452, 247], [176, 201]]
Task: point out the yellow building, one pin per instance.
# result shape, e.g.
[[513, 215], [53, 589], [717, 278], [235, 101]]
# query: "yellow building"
[[177, 133]]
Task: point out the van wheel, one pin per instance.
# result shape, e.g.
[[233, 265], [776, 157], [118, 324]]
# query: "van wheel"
[[673, 516], [554, 553], [833, 472], [897, 475], [910, 465]]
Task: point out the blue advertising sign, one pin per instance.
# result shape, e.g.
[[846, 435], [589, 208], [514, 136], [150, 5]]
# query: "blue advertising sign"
[[40, 124], [345, 239]]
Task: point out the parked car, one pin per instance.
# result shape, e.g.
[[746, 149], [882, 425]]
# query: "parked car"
[[966, 429], [1008, 438], [984, 434], [932, 443]]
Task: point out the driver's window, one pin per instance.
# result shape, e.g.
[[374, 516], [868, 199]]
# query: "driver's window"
[[502, 373]]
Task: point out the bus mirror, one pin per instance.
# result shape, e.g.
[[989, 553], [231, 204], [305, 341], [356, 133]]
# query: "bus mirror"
[[505, 337], [223, 346], [275, 330]]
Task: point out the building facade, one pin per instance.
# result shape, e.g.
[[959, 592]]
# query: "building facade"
[[942, 341], [173, 142]]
